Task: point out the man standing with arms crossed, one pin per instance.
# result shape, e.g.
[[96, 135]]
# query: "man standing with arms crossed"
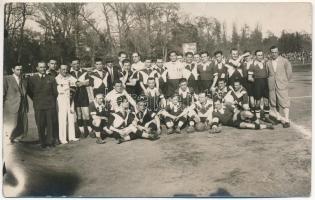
[[279, 75]]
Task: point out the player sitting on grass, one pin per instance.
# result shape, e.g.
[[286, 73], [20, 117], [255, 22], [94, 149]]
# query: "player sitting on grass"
[[148, 120], [99, 116], [175, 115], [220, 90], [155, 98], [200, 114], [237, 96], [123, 124], [185, 93], [227, 115]]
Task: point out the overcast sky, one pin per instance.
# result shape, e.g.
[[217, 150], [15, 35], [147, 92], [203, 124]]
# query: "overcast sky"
[[272, 17]]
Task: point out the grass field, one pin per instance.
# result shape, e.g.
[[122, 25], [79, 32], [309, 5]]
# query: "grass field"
[[238, 163]]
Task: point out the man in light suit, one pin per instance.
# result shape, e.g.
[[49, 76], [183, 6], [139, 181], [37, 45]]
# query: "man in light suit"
[[279, 75], [15, 105]]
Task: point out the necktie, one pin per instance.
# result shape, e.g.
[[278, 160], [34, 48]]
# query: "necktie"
[[111, 74], [21, 86]]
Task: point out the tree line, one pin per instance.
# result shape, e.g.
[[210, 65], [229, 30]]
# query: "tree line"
[[153, 29]]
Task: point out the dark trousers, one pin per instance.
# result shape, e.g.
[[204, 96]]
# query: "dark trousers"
[[46, 121]]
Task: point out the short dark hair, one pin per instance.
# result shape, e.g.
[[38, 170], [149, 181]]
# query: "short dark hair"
[[233, 49], [150, 79], [99, 93], [117, 81], [180, 54], [221, 79], [154, 59], [15, 65], [52, 59], [121, 99], [258, 50], [182, 80], [247, 51], [98, 60], [189, 53], [121, 52], [109, 60], [218, 52], [237, 80], [204, 52], [147, 58], [172, 52], [126, 61], [273, 47], [136, 53], [41, 61], [74, 59], [216, 99]]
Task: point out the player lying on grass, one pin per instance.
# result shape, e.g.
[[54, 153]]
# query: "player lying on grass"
[[123, 124], [227, 115], [175, 115], [200, 114]]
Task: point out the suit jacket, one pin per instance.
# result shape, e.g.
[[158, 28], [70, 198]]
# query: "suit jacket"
[[14, 95], [279, 79], [43, 92]]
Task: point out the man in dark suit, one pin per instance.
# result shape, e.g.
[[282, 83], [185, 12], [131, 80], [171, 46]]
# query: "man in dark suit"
[[52, 67], [114, 73], [42, 89], [15, 105]]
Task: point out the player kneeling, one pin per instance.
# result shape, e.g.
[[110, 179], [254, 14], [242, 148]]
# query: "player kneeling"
[[200, 114], [123, 124], [228, 116], [99, 116], [175, 115]]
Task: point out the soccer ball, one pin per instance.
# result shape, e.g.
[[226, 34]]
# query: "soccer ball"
[[200, 127]]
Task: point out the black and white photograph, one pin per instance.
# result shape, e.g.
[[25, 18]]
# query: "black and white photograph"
[[156, 99]]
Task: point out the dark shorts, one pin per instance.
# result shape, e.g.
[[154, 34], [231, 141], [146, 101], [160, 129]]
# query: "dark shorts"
[[236, 123], [172, 85], [204, 85], [202, 119], [100, 128], [152, 126], [261, 88], [249, 86], [81, 97], [193, 84], [181, 119]]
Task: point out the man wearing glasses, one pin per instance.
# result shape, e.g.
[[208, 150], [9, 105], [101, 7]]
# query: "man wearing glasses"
[[137, 64]]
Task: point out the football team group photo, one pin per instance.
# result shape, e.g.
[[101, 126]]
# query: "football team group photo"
[[157, 99]]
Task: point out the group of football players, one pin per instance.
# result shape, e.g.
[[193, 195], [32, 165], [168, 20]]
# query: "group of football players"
[[194, 92]]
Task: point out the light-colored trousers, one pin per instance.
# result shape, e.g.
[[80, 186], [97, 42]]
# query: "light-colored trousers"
[[66, 118]]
